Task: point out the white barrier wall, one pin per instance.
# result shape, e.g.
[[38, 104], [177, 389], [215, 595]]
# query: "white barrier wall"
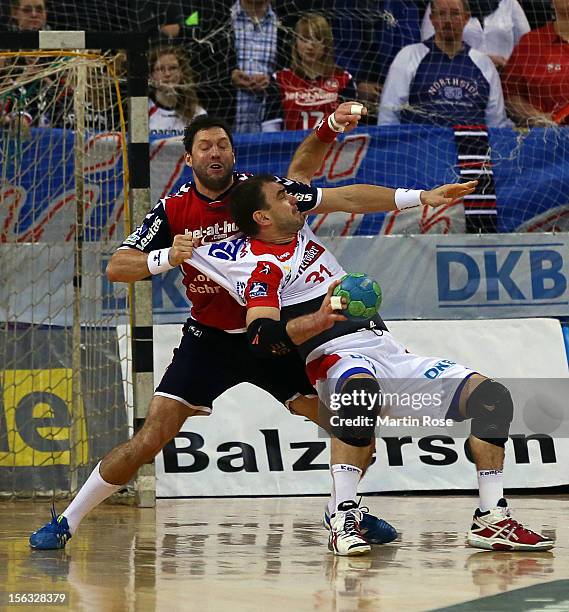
[[252, 446]]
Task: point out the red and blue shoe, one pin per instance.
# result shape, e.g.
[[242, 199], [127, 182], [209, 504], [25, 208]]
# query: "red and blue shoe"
[[52, 535]]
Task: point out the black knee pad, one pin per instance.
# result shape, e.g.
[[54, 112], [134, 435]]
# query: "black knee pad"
[[491, 409], [357, 408]]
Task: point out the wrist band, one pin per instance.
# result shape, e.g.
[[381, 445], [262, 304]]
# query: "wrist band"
[[334, 125], [408, 198], [158, 261], [324, 132]]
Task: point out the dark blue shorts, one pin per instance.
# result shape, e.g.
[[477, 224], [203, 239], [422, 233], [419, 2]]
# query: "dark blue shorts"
[[209, 361]]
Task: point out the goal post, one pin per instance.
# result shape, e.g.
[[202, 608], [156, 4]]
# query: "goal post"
[[74, 179]]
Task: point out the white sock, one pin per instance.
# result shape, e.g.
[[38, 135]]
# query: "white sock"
[[332, 499], [346, 479], [490, 488], [91, 494]]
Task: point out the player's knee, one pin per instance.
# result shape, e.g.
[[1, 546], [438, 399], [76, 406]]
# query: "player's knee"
[[491, 409], [154, 434], [355, 409]]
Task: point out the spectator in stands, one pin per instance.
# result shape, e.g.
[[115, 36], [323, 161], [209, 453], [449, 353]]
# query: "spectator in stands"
[[203, 29], [313, 86], [28, 15], [256, 35], [31, 93], [14, 114], [494, 28], [173, 102], [442, 81], [536, 79], [367, 36]]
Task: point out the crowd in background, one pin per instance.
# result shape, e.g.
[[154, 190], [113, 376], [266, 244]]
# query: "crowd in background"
[[269, 65]]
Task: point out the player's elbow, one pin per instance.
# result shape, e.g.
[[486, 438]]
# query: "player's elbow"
[[296, 174], [112, 271]]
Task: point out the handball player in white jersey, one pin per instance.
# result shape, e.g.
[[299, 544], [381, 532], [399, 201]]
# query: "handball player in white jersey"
[[285, 276]]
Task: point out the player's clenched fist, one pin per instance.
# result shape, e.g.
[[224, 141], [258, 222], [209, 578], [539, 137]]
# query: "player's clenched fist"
[[348, 115], [182, 248]]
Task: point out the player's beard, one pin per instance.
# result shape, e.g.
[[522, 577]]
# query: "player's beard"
[[214, 183], [291, 225]]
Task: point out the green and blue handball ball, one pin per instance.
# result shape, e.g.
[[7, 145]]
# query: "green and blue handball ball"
[[362, 294]]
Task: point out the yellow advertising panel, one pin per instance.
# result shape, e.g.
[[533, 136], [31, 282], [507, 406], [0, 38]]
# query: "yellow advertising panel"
[[37, 416]]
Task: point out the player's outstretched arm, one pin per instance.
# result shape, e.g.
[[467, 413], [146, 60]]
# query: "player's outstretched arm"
[[374, 198], [312, 150], [447, 194]]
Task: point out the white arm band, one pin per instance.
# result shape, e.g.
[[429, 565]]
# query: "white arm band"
[[408, 198], [334, 125], [158, 261]]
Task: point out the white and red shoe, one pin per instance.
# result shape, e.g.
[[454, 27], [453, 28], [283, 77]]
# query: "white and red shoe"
[[346, 538], [495, 529]]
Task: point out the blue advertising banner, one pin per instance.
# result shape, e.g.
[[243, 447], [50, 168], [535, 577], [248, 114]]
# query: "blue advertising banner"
[[464, 277], [531, 172]]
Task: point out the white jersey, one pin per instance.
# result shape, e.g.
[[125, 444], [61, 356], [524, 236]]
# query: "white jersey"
[[257, 273], [293, 277], [164, 121]]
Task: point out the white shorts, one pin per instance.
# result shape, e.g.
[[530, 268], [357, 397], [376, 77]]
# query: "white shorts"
[[411, 385]]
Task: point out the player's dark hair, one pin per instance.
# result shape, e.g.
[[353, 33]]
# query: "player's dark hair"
[[245, 199], [204, 122]]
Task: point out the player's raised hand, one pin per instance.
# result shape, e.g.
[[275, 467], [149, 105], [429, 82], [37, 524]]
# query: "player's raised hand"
[[182, 248], [348, 115], [447, 194]]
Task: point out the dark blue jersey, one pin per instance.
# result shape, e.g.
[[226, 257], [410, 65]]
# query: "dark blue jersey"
[[425, 85]]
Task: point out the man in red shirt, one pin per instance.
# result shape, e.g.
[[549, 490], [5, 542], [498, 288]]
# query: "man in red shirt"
[[536, 77]]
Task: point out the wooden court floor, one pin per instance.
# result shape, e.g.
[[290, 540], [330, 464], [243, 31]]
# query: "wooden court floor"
[[271, 555]]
